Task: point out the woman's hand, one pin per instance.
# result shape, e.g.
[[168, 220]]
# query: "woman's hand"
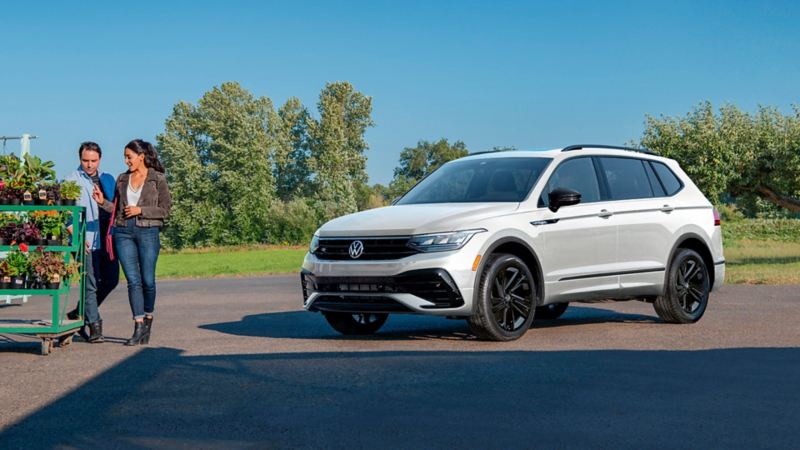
[[97, 195], [132, 211]]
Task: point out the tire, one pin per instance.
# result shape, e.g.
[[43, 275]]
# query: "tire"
[[551, 311], [356, 323], [506, 299], [686, 293]]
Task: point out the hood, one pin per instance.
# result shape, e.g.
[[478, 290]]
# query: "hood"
[[404, 220]]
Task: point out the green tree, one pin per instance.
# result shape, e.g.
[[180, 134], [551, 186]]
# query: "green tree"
[[337, 148], [749, 156], [218, 156], [417, 162], [291, 171]]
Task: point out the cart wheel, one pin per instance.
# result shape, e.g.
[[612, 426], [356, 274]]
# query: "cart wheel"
[[65, 341], [47, 346]]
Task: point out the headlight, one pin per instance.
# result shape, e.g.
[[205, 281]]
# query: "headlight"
[[442, 242], [314, 244]]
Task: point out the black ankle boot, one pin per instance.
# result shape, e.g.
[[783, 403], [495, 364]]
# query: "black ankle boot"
[[73, 315], [96, 333], [138, 334], [148, 325]]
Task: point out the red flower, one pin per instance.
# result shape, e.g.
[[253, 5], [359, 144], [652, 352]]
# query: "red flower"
[[23, 246]]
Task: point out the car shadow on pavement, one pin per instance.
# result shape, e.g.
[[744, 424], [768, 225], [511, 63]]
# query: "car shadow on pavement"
[[306, 325], [161, 398]]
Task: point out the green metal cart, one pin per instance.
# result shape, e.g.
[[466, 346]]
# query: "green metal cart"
[[55, 330]]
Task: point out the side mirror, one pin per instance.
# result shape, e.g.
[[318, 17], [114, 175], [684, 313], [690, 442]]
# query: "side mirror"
[[563, 197]]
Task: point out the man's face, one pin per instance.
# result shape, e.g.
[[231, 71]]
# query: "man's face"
[[90, 160]]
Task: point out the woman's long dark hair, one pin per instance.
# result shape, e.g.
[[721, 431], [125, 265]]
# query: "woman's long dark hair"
[[151, 161]]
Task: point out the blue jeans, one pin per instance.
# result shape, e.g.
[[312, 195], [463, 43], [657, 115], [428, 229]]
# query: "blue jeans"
[[91, 313], [137, 248]]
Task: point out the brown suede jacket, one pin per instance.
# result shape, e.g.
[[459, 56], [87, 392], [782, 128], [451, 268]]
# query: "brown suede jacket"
[[155, 200]]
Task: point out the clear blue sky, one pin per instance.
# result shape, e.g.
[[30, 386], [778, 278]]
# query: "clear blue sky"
[[524, 74]]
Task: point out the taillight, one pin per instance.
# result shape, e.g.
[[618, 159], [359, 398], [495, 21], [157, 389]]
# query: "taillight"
[[717, 220]]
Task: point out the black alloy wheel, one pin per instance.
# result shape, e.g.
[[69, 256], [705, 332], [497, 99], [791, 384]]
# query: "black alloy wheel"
[[356, 323], [506, 299], [688, 287]]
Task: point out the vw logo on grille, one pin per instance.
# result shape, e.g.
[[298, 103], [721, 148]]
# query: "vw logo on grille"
[[356, 249]]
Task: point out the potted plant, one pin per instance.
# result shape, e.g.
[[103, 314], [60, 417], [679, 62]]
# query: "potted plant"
[[12, 191], [5, 275], [48, 268], [18, 266], [8, 227], [70, 192], [9, 164], [28, 233], [50, 223]]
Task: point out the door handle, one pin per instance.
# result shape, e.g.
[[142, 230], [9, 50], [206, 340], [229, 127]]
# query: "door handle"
[[667, 208], [605, 214]]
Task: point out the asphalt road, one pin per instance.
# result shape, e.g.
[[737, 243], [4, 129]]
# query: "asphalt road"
[[236, 363]]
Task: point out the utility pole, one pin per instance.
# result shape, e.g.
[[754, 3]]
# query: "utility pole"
[[24, 143]]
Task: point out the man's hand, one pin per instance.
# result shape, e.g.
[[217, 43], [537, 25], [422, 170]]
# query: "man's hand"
[[132, 211], [97, 195]]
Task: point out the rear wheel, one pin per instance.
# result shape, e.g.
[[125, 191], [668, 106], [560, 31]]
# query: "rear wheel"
[[688, 285], [551, 311], [506, 299], [356, 323]]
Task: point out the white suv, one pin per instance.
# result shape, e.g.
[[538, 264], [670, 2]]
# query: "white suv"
[[500, 238]]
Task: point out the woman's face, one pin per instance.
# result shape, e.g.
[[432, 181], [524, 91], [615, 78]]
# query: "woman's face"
[[133, 160]]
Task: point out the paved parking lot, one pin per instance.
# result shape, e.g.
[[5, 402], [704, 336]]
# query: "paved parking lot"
[[235, 363]]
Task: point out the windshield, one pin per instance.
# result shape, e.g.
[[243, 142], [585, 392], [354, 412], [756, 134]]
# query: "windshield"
[[478, 180]]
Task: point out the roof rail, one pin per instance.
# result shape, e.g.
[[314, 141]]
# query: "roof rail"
[[570, 148], [483, 152]]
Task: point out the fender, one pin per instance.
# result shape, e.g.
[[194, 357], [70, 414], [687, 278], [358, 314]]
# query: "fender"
[[685, 237], [491, 248]]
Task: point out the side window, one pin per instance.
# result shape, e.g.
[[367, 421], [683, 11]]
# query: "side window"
[[626, 178], [577, 174], [658, 190], [671, 182]]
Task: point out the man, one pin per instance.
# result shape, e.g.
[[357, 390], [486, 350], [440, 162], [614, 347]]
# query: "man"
[[102, 274]]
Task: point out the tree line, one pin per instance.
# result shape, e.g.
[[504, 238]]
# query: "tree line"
[[242, 171]]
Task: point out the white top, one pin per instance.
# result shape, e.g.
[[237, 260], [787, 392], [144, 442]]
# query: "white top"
[[133, 196]]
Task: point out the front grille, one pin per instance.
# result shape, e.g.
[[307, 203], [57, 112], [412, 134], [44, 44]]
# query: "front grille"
[[383, 248], [433, 285], [341, 303]]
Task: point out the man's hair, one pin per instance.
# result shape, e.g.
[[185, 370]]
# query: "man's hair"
[[91, 146]]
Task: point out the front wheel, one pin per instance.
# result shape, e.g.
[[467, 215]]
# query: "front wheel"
[[688, 285], [506, 300], [356, 323]]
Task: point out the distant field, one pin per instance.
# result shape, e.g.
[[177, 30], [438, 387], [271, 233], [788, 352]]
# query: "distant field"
[[748, 262], [762, 262], [230, 261]]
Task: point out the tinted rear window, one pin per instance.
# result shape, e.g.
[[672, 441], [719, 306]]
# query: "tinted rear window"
[[626, 178], [668, 179], [478, 180]]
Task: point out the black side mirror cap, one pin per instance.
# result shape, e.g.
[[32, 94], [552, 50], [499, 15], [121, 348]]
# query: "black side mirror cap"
[[563, 197]]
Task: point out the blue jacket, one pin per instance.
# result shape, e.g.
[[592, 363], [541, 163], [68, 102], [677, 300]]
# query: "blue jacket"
[[93, 236]]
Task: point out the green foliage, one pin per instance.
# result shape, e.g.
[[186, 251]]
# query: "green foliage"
[[70, 190], [218, 160], [292, 222], [18, 263], [291, 171], [781, 230], [417, 162], [748, 156], [337, 148]]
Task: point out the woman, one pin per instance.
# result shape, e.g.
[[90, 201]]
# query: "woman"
[[142, 203]]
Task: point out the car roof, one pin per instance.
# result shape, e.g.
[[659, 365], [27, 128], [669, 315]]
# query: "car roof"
[[569, 151]]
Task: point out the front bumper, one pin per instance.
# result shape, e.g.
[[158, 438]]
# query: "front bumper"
[[420, 291]]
